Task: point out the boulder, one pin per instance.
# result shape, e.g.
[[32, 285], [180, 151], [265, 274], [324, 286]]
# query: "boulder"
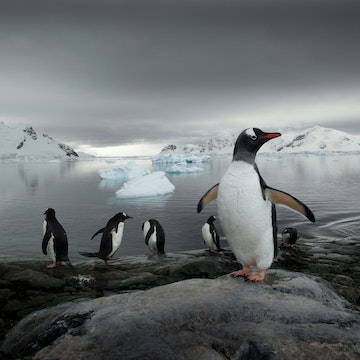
[[289, 316]]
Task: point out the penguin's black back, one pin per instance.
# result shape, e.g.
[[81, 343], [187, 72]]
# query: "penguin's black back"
[[55, 229]]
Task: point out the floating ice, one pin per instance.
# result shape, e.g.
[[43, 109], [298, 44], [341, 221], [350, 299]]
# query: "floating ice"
[[180, 158], [152, 184], [124, 172], [179, 169]]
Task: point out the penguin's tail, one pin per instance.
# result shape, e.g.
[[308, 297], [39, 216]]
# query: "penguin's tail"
[[87, 254]]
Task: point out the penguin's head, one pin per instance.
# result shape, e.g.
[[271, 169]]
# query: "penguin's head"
[[50, 213], [122, 216], [249, 142], [211, 219]]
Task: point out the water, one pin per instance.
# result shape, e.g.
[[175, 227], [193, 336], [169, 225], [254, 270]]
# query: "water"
[[83, 203]]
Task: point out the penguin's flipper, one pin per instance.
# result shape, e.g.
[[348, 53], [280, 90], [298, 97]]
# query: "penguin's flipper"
[[209, 196], [98, 232], [283, 198]]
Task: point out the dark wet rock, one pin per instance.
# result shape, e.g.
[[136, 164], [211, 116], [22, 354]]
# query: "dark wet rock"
[[289, 316], [32, 278], [28, 286]]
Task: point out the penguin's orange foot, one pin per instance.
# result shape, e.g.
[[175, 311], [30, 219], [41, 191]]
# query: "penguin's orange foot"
[[244, 272], [51, 266], [258, 277]]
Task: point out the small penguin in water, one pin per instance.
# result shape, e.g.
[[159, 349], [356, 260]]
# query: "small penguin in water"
[[289, 237], [246, 207], [54, 243], [210, 235], [154, 236], [112, 235]]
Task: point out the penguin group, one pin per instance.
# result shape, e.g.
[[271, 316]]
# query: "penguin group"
[[55, 243], [246, 208]]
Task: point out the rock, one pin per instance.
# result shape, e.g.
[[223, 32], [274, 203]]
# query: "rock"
[[289, 316], [34, 279]]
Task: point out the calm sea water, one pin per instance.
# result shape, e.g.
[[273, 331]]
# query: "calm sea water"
[[329, 185]]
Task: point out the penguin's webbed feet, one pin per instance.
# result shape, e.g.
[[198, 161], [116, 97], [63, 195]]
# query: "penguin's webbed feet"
[[258, 277], [244, 272], [248, 275]]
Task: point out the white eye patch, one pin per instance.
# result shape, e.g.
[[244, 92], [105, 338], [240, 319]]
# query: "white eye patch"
[[251, 133]]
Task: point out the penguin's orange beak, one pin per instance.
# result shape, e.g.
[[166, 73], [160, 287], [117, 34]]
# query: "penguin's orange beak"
[[270, 136]]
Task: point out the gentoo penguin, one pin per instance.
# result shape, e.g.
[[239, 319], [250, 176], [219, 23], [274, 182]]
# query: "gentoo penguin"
[[54, 242], [210, 235], [246, 207], [154, 236], [289, 237], [111, 238]]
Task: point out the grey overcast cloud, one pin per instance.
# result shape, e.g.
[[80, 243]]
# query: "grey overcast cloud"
[[109, 73]]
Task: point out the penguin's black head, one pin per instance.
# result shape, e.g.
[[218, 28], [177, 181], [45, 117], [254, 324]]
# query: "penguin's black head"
[[211, 219], [121, 217], [249, 142], [50, 213]]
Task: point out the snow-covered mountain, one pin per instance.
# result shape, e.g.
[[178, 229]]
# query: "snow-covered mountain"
[[316, 140], [23, 143]]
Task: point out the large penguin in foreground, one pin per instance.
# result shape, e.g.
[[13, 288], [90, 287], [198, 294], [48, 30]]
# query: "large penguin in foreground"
[[54, 243], [111, 238], [154, 236], [246, 207]]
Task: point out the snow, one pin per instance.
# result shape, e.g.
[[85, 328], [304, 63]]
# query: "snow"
[[315, 140], [153, 184], [23, 143], [123, 173]]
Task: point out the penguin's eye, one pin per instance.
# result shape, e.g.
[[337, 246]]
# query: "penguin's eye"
[[253, 137]]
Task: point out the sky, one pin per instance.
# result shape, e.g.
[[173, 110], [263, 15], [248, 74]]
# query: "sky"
[[120, 77]]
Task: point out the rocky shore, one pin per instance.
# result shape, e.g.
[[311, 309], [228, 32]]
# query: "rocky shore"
[[28, 286]]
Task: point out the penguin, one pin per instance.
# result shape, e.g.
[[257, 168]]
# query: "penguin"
[[246, 207], [54, 243], [154, 236], [210, 235], [289, 237], [111, 238]]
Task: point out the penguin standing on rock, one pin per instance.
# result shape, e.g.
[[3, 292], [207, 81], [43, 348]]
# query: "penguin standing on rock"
[[54, 243], [246, 207], [154, 236], [112, 235], [210, 235]]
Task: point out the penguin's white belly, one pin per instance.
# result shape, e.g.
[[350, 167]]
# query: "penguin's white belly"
[[152, 242], [208, 240], [246, 218], [50, 249], [116, 238]]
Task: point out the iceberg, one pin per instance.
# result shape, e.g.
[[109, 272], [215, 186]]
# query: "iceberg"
[[180, 158], [152, 184], [182, 169], [123, 173]]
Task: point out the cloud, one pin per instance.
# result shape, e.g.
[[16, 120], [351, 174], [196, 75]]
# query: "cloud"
[[108, 72]]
